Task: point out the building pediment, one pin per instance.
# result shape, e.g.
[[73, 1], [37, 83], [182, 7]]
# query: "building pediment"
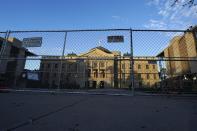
[[97, 52]]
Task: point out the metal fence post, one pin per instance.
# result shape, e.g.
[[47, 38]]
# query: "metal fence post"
[[61, 62], [161, 72], [132, 62]]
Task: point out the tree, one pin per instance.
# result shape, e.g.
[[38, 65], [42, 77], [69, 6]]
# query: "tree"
[[187, 3]]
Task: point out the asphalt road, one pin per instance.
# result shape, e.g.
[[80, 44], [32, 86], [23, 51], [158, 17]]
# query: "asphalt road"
[[82, 112]]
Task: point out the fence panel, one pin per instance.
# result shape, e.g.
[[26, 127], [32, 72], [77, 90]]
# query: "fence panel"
[[67, 59], [165, 60], [3, 36], [24, 59], [91, 58]]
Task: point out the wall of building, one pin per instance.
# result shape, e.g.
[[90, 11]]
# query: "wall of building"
[[182, 47], [9, 66], [100, 70]]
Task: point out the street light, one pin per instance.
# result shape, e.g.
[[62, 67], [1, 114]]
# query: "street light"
[[194, 78], [185, 78]]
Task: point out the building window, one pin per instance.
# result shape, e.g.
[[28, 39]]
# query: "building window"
[[72, 67], [139, 76], [152, 62], [87, 84], [95, 73], [102, 73], [89, 73], [56, 65], [139, 66], [147, 76], [123, 76], [95, 65], [69, 66], [123, 66], [88, 64], [48, 65], [102, 64], [153, 66], [63, 65], [147, 66], [155, 76]]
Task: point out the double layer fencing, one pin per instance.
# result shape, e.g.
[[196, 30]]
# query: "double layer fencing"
[[107, 58]]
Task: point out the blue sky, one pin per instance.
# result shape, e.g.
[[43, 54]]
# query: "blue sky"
[[76, 14], [83, 14], [73, 14], [96, 14]]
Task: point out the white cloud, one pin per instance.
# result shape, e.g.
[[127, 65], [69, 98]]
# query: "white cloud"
[[158, 24], [176, 17], [153, 2], [163, 13], [116, 17]]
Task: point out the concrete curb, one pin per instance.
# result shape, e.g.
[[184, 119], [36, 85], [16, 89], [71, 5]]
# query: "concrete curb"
[[95, 93]]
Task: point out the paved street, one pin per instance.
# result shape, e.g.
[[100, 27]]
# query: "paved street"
[[25, 111]]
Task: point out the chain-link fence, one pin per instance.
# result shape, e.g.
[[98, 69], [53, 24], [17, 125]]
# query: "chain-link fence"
[[90, 59], [167, 59], [3, 38]]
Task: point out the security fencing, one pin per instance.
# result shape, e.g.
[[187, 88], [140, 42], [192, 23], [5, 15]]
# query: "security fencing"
[[174, 51], [105, 58], [3, 39]]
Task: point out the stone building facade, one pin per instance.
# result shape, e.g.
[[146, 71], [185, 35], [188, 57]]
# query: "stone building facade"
[[182, 52], [13, 57], [182, 64], [97, 68]]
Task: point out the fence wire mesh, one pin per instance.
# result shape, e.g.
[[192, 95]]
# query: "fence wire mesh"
[[89, 59], [3, 36], [167, 60]]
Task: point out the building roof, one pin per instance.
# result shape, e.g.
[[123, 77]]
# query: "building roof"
[[71, 55], [97, 48], [175, 38], [127, 54], [28, 53], [161, 54], [101, 48], [18, 44]]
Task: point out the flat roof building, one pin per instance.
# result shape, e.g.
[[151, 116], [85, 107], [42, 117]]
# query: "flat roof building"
[[12, 58], [182, 51], [181, 61]]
